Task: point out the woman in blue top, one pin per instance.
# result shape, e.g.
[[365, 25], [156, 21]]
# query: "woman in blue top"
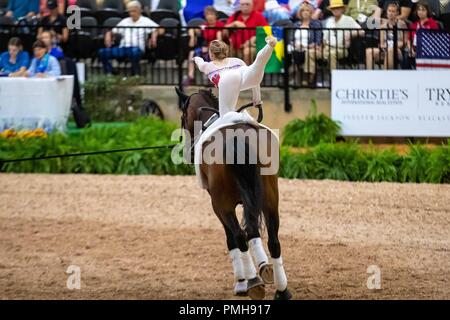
[[14, 62], [43, 65]]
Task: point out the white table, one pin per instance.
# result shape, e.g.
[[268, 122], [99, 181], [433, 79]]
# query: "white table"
[[30, 103]]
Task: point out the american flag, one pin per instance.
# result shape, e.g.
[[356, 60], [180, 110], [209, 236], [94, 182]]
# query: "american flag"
[[433, 50]]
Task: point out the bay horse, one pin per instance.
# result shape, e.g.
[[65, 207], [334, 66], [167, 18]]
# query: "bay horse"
[[230, 184]]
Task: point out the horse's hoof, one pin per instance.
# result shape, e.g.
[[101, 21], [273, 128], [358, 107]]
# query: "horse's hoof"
[[240, 289], [255, 288], [283, 295], [266, 273]]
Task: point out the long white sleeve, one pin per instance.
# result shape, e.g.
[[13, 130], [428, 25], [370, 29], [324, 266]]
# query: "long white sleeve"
[[201, 64]]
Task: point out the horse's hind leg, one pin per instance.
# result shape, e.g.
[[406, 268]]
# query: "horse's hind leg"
[[240, 285], [258, 253], [255, 285], [270, 209]]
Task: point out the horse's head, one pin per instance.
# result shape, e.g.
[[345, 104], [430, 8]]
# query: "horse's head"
[[190, 108]]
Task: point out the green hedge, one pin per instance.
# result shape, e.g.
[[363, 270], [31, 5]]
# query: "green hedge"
[[340, 161], [144, 132], [349, 162]]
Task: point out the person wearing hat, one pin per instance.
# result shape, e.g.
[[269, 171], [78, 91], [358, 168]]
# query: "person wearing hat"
[[55, 22], [337, 42], [134, 40], [325, 12]]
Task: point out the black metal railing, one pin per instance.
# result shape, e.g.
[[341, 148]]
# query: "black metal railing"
[[309, 54]]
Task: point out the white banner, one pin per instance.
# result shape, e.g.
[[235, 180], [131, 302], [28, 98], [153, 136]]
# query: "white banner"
[[405, 103], [35, 103]]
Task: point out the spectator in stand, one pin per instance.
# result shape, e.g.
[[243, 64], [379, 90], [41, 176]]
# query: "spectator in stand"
[[307, 41], [337, 42], [22, 8], [15, 61], [204, 36], [386, 50], [45, 11], [48, 39], [43, 64], [55, 22], [425, 21], [405, 7], [133, 42], [274, 12], [325, 13], [243, 42], [295, 7], [361, 10]]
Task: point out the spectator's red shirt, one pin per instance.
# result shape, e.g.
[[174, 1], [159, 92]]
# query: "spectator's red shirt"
[[239, 37], [429, 24], [211, 34]]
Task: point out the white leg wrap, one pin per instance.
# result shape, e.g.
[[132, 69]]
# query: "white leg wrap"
[[249, 267], [238, 266], [258, 252], [279, 275]]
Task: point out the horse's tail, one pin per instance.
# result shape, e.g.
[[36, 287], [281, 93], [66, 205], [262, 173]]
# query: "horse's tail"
[[248, 180]]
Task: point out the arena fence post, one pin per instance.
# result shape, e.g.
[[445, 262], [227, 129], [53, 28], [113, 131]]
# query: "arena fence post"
[[287, 102]]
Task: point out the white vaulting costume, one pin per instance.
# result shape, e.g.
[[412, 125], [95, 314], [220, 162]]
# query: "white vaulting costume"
[[235, 77]]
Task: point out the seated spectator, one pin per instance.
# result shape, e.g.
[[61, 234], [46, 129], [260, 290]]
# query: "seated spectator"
[[337, 42], [204, 36], [295, 7], [307, 41], [243, 42], [386, 49], [274, 12], [15, 61], [133, 41], [405, 7], [425, 21], [43, 64], [55, 22], [360, 10], [45, 11], [22, 8], [325, 12], [48, 39]]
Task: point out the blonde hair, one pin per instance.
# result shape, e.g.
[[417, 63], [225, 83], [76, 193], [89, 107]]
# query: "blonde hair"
[[219, 49]]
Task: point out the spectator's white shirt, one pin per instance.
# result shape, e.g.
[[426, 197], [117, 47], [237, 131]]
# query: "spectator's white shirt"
[[135, 37], [335, 39]]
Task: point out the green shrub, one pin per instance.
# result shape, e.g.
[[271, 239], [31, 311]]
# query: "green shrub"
[[439, 165], [338, 161], [382, 165], [415, 164], [144, 132], [316, 128]]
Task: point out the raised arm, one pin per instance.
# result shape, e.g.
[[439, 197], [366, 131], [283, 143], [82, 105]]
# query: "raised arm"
[[201, 64]]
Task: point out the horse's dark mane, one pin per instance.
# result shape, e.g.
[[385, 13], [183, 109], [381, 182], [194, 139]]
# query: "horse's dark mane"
[[210, 97]]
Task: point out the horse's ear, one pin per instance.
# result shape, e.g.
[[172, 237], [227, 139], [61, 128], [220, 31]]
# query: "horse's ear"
[[181, 94]]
